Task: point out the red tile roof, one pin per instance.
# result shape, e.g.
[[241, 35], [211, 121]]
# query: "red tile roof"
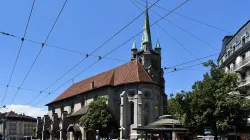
[[13, 114], [131, 72]]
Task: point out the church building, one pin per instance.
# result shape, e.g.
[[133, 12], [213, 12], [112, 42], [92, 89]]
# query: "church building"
[[135, 92]]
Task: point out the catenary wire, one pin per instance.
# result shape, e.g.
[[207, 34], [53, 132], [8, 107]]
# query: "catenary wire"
[[114, 50], [20, 48], [196, 37], [98, 47], [93, 52], [183, 68], [174, 66], [26, 76], [61, 48], [170, 35], [22, 88], [90, 54], [195, 20], [184, 63], [196, 70]]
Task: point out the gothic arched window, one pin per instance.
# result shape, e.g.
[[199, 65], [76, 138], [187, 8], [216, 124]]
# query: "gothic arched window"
[[131, 112], [146, 114]]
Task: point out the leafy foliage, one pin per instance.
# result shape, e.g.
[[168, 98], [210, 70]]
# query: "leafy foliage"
[[33, 132], [100, 117], [213, 103]]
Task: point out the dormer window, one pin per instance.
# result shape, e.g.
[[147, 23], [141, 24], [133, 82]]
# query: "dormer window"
[[243, 40], [92, 85]]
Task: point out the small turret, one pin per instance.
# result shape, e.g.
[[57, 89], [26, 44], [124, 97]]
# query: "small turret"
[[158, 47], [133, 51]]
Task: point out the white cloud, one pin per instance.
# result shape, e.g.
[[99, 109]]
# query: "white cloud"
[[27, 110]]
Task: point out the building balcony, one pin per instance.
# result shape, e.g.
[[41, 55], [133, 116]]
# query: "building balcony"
[[244, 63], [245, 82]]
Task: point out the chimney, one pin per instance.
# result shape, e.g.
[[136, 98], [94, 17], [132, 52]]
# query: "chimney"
[[92, 85]]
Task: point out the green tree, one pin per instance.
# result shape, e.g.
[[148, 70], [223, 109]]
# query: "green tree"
[[34, 132], [213, 103], [100, 117]]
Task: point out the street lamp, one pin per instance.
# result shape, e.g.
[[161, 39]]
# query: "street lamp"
[[97, 134], [121, 129]]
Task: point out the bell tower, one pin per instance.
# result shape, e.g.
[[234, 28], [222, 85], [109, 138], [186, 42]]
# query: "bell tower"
[[150, 58]]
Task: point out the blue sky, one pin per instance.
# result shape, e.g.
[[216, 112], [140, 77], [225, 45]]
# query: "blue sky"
[[85, 25]]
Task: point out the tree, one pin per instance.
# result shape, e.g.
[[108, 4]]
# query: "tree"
[[34, 132], [213, 103], [100, 117]]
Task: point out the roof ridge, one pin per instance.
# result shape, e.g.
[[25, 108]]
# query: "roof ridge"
[[112, 77]]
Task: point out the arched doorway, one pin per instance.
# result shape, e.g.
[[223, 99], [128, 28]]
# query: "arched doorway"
[[74, 132]]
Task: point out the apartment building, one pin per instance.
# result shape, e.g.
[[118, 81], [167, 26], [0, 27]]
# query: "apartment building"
[[235, 56], [15, 126]]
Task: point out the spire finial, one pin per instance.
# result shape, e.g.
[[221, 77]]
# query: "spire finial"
[[146, 36], [158, 44], [134, 45]]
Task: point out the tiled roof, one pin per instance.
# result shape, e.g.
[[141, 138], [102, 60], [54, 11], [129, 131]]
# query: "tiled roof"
[[12, 114], [131, 72]]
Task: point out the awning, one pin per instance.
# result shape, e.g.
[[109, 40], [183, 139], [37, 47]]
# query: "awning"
[[164, 123], [160, 129]]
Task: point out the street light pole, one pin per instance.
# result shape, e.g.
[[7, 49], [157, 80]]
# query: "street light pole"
[[97, 134], [121, 129]]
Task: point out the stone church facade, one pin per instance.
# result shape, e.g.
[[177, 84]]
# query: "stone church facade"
[[135, 93]]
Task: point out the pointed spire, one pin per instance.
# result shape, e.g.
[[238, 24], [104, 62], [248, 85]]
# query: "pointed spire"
[[158, 47], [134, 46], [146, 35], [158, 44], [133, 51]]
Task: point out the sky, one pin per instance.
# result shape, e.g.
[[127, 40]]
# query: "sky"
[[84, 25]]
